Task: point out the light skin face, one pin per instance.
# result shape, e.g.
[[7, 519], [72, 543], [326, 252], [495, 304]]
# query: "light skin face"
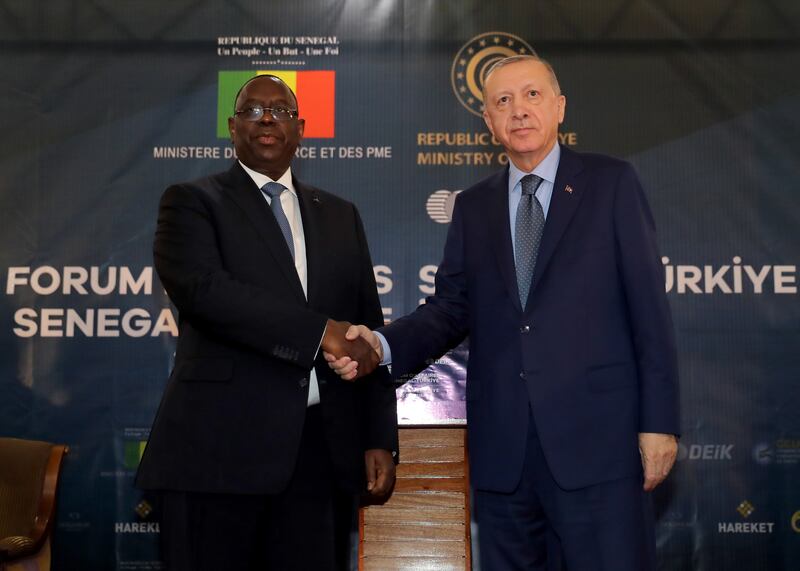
[[523, 111], [266, 146]]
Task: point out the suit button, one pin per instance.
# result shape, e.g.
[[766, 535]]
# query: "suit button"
[[525, 329], [303, 382], [522, 375]]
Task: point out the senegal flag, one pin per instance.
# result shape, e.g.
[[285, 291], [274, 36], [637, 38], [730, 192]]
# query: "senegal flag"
[[315, 92]]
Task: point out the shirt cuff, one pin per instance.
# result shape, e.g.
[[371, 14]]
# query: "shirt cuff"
[[387, 352], [320, 340]]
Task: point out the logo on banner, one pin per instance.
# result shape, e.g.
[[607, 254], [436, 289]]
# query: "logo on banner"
[[745, 509], [315, 91], [475, 58], [440, 205], [143, 510], [795, 522], [705, 451], [763, 453], [782, 451]]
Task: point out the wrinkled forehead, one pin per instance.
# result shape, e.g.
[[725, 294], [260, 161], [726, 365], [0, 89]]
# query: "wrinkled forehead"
[[266, 89], [517, 74]]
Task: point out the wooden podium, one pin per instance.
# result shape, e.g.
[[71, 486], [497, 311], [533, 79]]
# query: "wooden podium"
[[425, 524]]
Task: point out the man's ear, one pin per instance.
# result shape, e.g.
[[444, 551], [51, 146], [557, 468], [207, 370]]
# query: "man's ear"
[[488, 121], [231, 127]]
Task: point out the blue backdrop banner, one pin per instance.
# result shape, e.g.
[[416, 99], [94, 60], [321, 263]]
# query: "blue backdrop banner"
[[107, 103]]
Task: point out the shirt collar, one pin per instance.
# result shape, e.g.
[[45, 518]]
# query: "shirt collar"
[[546, 169], [262, 179]]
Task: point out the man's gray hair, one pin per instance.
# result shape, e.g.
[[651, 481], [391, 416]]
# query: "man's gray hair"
[[514, 59]]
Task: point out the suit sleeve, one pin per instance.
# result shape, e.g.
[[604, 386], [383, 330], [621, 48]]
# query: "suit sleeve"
[[378, 389], [649, 314], [190, 266], [443, 321]]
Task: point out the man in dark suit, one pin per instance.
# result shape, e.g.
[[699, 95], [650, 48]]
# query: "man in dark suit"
[[257, 451], [551, 268]]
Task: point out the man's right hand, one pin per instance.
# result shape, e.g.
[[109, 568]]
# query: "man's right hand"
[[356, 353], [348, 367]]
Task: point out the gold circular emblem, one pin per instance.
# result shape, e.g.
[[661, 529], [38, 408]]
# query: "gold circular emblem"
[[475, 58], [796, 521]]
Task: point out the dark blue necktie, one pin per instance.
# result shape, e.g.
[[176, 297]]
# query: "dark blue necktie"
[[274, 190], [527, 234]]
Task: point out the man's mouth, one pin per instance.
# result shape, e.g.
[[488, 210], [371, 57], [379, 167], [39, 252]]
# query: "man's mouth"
[[521, 130], [267, 138]]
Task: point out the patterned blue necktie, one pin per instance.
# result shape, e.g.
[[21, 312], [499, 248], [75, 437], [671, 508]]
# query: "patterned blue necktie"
[[528, 234], [274, 190]]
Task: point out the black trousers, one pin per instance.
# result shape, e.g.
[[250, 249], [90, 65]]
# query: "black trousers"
[[306, 527]]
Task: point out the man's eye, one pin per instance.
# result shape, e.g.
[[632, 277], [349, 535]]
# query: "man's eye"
[[533, 93], [503, 100]]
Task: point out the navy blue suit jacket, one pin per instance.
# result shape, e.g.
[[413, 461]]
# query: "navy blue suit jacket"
[[593, 353]]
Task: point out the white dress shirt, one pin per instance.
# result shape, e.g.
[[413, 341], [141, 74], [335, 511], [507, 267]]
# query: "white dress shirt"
[[291, 207]]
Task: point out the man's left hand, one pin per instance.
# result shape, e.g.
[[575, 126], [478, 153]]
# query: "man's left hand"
[[380, 471], [658, 453]]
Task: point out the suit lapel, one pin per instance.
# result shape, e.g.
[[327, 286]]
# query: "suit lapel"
[[500, 231], [244, 192], [567, 195], [311, 210]]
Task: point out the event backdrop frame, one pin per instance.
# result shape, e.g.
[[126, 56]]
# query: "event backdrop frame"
[[106, 103]]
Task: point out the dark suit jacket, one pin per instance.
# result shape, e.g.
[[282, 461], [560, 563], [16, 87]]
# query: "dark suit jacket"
[[593, 354], [232, 413]]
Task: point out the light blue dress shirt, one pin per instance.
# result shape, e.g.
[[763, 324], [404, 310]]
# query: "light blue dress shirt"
[[547, 170]]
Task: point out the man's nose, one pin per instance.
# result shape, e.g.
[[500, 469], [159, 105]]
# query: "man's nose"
[[519, 110]]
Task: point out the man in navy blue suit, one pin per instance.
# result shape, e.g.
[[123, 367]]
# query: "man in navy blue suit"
[[551, 267]]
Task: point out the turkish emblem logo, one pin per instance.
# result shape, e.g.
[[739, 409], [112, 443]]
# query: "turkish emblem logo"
[[475, 58]]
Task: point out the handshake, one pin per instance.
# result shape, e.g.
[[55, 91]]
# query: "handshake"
[[352, 351]]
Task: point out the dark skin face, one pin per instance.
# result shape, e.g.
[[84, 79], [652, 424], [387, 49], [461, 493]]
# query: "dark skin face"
[[266, 146]]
